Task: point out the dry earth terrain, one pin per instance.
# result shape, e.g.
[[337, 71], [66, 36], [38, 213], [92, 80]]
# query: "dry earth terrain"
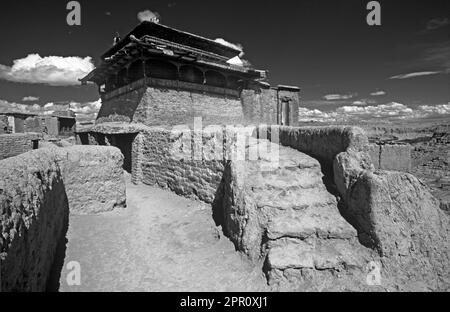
[[160, 242]]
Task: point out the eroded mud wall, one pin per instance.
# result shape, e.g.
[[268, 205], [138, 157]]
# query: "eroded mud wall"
[[38, 190]]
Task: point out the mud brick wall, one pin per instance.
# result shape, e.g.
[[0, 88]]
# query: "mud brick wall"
[[38, 191], [4, 124], [391, 157], [166, 159], [93, 177], [17, 143], [260, 106], [33, 124], [323, 143], [34, 209], [167, 107]]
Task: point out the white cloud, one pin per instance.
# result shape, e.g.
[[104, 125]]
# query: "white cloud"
[[30, 99], [51, 70], [332, 97], [236, 46], [383, 110], [85, 108], [149, 16], [391, 110], [416, 74], [441, 109], [316, 115], [378, 93]]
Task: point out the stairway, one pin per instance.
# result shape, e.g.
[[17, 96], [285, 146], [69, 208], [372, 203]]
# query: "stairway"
[[303, 237]]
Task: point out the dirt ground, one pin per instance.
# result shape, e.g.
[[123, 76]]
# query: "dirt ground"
[[160, 242]]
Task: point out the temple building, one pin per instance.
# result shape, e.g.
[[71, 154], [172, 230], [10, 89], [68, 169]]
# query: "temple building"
[[160, 76]]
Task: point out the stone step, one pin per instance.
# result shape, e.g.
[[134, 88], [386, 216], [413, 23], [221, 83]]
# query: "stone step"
[[293, 198], [319, 221], [284, 178], [333, 254]]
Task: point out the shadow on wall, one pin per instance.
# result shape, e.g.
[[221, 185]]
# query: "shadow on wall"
[[75, 180], [35, 238], [123, 141], [53, 282], [121, 108]]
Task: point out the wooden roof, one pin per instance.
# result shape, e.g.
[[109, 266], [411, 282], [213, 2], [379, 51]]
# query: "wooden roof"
[[176, 36], [156, 40]]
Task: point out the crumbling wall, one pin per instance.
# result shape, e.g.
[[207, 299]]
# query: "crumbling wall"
[[34, 209], [178, 161], [38, 189], [119, 135], [4, 124], [393, 212], [391, 156], [323, 143], [49, 125], [188, 161], [94, 178], [33, 124], [17, 143]]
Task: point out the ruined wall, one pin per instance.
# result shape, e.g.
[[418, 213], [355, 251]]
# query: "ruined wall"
[[47, 125], [33, 124], [19, 124], [38, 189], [50, 125], [398, 222], [391, 157], [34, 209], [323, 143], [17, 143], [167, 107], [94, 178], [119, 137], [396, 215], [4, 124], [166, 159], [185, 161]]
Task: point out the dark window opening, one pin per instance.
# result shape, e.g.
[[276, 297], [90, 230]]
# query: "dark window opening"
[[136, 71], [215, 79], [191, 74], [161, 69]]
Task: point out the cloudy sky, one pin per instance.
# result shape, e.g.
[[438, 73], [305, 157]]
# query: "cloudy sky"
[[343, 66]]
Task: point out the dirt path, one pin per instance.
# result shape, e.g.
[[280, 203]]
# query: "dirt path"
[[160, 242]]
